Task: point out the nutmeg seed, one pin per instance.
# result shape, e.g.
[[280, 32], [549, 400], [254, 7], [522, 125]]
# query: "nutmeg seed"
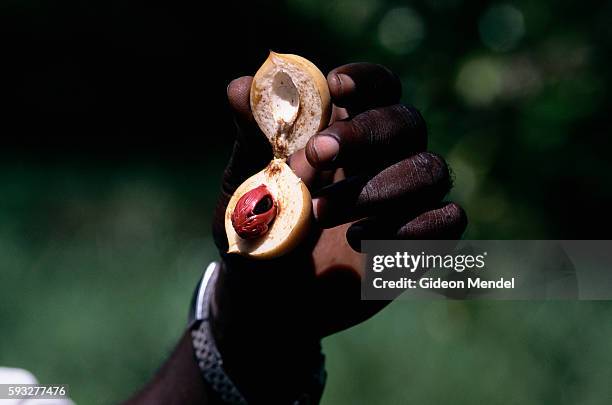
[[254, 213]]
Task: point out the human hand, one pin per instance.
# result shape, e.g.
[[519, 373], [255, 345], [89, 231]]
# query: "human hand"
[[370, 177]]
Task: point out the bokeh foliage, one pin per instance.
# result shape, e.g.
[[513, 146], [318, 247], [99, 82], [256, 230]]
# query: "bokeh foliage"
[[104, 218]]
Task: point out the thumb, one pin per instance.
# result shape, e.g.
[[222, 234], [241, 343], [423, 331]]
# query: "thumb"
[[252, 150]]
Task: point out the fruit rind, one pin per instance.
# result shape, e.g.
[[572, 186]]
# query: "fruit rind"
[[290, 102], [293, 217], [314, 108]]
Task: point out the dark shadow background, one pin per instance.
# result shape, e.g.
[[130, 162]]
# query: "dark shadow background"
[[114, 130]]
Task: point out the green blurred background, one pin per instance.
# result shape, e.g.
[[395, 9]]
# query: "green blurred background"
[[115, 131]]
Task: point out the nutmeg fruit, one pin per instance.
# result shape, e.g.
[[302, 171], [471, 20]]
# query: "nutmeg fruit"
[[270, 213]]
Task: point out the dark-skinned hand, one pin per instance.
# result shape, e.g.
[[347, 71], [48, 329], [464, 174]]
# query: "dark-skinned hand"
[[371, 177]]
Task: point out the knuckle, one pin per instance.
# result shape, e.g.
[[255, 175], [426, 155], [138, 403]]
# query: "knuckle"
[[403, 111], [453, 214], [434, 169], [410, 126], [370, 194], [386, 71], [392, 83], [366, 125], [410, 116], [397, 125], [446, 222]]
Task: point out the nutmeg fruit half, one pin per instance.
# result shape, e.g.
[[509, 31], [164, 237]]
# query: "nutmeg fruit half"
[[270, 213]]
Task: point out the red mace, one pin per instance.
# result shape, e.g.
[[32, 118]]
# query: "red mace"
[[254, 212]]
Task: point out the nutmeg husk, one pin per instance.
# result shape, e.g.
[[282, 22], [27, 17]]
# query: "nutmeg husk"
[[290, 101], [293, 216]]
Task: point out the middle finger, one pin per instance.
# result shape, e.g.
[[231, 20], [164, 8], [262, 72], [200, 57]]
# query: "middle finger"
[[406, 186]]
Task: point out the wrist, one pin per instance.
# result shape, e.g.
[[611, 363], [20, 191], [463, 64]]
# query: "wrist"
[[267, 359], [263, 331], [256, 303]]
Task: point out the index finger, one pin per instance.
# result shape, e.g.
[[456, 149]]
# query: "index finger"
[[362, 86], [373, 138]]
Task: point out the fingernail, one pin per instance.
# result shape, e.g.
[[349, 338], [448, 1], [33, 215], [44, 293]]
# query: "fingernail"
[[345, 84], [336, 84], [326, 148]]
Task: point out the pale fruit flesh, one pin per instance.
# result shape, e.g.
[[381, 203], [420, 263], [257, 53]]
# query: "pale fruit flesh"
[[290, 101], [294, 208]]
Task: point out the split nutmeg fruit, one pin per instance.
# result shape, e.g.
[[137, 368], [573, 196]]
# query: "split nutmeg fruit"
[[270, 213]]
